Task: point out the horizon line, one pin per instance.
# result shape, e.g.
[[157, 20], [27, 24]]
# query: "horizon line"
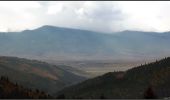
[[126, 30]]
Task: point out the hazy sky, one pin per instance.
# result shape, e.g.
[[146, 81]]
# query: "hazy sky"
[[104, 16]]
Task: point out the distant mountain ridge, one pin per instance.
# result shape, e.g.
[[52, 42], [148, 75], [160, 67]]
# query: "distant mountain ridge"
[[58, 43]]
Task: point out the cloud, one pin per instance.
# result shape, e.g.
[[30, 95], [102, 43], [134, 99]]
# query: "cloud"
[[16, 15], [100, 10], [146, 16], [55, 8], [103, 16]]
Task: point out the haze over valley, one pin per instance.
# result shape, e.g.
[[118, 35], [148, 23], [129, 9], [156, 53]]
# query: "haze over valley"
[[84, 49]]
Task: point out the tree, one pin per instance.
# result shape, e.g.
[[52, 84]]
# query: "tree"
[[102, 96], [149, 93], [62, 96]]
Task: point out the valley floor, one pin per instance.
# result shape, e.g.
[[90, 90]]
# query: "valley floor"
[[96, 68]]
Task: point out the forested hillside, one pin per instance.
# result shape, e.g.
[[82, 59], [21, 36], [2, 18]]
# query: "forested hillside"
[[10, 90], [145, 81]]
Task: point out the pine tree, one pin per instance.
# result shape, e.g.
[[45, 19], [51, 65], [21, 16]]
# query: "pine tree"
[[149, 93], [62, 96], [102, 96]]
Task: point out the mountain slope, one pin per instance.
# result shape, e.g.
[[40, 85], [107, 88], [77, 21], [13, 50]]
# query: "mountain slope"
[[130, 84], [36, 74], [9, 90], [49, 42]]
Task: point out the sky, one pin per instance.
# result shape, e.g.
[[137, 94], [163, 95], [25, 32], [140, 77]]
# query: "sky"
[[101, 16]]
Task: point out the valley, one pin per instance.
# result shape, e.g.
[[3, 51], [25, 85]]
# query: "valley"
[[131, 84], [50, 63], [96, 68], [84, 50]]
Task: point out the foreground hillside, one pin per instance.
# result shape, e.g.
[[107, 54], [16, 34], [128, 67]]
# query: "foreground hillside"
[[9, 90], [36, 74], [134, 83]]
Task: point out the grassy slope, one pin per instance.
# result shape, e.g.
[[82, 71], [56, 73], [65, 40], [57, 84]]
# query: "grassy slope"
[[36, 74]]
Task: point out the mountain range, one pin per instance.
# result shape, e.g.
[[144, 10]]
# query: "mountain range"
[[50, 43], [57, 43]]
